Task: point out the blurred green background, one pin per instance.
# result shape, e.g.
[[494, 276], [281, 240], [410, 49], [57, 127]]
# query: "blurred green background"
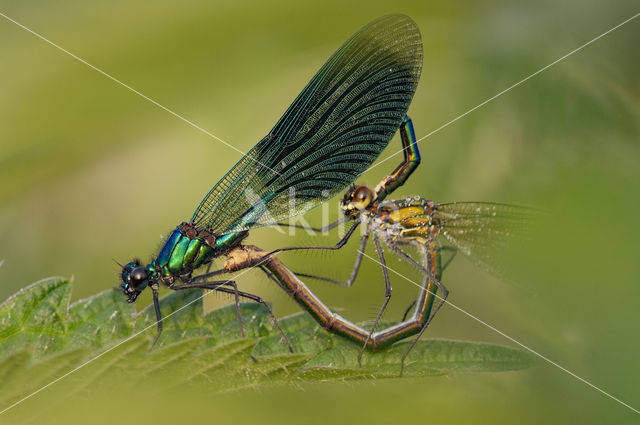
[[89, 172]]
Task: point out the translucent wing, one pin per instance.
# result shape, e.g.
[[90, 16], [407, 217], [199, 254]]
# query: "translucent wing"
[[485, 232], [332, 132]]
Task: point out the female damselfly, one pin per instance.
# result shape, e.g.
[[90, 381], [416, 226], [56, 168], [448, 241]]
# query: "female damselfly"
[[477, 229]]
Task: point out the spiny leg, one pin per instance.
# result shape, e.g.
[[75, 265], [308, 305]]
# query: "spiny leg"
[[205, 285], [259, 300], [452, 249], [356, 267], [387, 295], [434, 264], [444, 267], [217, 286], [266, 305], [213, 285], [425, 270], [408, 258], [431, 258], [156, 306], [412, 262]]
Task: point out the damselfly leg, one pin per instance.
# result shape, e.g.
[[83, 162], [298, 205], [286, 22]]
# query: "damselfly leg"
[[215, 285], [445, 264], [387, 294], [189, 284], [220, 286], [354, 272]]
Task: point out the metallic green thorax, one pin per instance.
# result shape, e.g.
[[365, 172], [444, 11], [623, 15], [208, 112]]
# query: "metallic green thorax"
[[186, 250]]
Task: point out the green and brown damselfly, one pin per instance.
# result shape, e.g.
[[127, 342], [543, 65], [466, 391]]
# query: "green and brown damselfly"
[[480, 230]]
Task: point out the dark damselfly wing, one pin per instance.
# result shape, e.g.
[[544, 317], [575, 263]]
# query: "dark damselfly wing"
[[485, 231], [333, 131]]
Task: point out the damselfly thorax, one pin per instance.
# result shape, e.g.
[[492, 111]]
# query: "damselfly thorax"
[[403, 220]]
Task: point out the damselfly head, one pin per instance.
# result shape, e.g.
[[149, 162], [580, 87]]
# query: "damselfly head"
[[134, 279], [356, 199]]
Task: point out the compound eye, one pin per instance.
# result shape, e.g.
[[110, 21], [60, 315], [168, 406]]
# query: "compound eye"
[[138, 276], [362, 197], [348, 195]]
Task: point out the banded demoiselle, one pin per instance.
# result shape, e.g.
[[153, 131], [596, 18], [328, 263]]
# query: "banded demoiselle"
[[332, 132]]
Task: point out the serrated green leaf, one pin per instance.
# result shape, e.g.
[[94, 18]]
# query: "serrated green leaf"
[[43, 338], [429, 357], [98, 321], [34, 318]]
